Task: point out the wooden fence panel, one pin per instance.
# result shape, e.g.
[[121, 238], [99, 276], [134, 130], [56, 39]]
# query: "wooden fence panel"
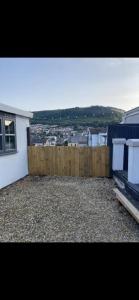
[[69, 161]]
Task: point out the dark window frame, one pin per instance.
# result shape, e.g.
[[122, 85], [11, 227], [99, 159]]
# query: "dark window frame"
[[10, 117]]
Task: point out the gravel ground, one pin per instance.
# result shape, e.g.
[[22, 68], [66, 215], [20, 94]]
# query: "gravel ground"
[[64, 209]]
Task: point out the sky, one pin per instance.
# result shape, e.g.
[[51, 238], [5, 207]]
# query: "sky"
[[52, 83]]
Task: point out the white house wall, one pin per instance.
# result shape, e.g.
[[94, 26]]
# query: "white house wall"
[[15, 166], [89, 139], [94, 140]]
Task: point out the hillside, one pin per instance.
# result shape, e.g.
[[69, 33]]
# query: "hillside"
[[90, 116]]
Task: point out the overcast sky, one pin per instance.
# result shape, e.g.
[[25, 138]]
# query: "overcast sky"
[[51, 83]]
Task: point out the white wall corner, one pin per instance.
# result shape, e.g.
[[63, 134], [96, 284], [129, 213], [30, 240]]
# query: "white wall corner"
[[133, 160], [118, 154]]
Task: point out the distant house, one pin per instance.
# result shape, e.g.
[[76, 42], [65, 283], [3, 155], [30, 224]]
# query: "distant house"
[[37, 140], [96, 137], [60, 142], [78, 141], [38, 144], [51, 141], [14, 139], [131, 116]]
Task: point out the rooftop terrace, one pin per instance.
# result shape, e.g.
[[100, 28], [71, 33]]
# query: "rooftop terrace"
[[64, 209]]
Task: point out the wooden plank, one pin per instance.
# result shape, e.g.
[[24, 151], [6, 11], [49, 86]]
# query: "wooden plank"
[[62, 160], [47, 161], [59, 173], [42, 161], [93, 162], [85, 162], [52, 159], [89, 161], [102, 163], [67, 161], [76, 161], [127, 204], [72, 157], [56, 161], [81, 161], [99, 167], [37, 162]]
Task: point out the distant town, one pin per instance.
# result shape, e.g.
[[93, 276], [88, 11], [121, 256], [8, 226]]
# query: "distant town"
[[55, 135], [78, 126]]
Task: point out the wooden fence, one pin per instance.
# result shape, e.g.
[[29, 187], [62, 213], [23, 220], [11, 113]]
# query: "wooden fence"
[[69, 161]]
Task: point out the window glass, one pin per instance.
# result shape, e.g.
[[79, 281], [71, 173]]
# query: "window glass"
[[9, 126], [9, 143]]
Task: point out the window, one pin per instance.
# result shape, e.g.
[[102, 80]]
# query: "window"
[[7, 134]]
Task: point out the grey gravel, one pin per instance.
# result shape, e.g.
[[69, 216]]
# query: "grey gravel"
[[64, 209]]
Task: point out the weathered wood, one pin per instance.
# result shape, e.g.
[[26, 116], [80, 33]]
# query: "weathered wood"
[[127, 204], [76, 161], [69, 161]]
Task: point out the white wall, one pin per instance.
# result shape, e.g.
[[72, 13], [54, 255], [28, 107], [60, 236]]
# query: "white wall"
[[102, 139], [94, 140], [89, 139], [118, 157], [15, 166], [133, 159]]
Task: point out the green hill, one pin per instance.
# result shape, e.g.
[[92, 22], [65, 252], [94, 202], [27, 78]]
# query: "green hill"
[[84, 116]]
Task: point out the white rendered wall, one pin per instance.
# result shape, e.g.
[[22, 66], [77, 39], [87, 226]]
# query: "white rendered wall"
[[94, 140], [102, 140], [118, 157], [133, 161], [118, 154], [15, 166], [89, 139]]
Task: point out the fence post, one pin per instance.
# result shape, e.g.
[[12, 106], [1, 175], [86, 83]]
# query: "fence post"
[[118, 154]]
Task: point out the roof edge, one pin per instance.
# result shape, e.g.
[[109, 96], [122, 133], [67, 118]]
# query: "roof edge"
[[128, 112], [16, 111]]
